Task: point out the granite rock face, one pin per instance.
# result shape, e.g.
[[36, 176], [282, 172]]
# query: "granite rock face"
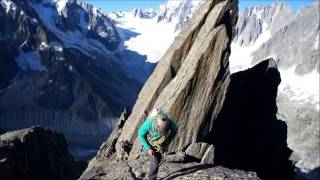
[[36, 153], [197, 150], [208, 157], [196, 62], [190, 83]]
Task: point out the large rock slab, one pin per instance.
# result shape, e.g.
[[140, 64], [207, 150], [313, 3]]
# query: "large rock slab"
[[36, 153], [190, 83], [196, 60], [197, 150], [201, 152], [176, 157], [208, 157]]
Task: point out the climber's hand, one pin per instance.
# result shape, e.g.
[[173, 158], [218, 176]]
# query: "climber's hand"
[[151, 152], [164, 149]]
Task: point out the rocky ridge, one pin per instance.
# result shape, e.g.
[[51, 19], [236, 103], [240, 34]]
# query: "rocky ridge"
[[179, 80], [292, 38], [175, 65], [37, 153], [253, 21], [60, 69], [192, 83]]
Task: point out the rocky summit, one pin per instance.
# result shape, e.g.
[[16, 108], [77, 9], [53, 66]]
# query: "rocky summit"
[[227, 124], [190, 78], [37, 153], [220, 129], [190, 82], [291, 37]]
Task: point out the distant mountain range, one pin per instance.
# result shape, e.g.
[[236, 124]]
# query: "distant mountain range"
[[293, 39], [61, 68]]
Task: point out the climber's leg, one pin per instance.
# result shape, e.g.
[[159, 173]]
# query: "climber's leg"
[[154, 166]]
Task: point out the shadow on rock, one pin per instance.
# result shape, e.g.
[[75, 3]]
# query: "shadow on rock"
[[247, 134]]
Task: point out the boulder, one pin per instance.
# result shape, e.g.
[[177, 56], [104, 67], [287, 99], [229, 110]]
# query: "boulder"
[[197, 150], [37, 153], [175, 157], [208, 157]]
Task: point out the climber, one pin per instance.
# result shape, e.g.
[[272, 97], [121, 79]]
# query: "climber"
[[155, 134]]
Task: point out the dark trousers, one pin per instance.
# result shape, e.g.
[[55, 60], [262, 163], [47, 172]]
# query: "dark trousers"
[[154, 164]]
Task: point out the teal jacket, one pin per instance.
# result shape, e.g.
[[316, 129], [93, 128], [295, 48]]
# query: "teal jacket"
[[146, 129]]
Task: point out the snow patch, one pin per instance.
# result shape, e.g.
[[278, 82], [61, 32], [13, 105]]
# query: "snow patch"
[[241, 58], [96, 12], [58, 48], [173, 4], [34, 21], [316, 45], [30, 61], [152, 34], [61, 59], [305, 88], [70, 39], [60, 4], [43, 46], [70, 68], [103, 34], [153, 38], [25, 42], [113, 15], [8, 4]]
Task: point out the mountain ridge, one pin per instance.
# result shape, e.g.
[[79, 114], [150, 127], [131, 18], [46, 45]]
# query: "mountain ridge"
[[65, 71]]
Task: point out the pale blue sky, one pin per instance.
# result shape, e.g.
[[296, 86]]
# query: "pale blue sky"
[[123, 5]]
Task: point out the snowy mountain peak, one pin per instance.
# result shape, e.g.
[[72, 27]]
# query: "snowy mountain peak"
[[137, 12], [60, 4], [253, 21], [293, 39], [177, 11], [147, 13]]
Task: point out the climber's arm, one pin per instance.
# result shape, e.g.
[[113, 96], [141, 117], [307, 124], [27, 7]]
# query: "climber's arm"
[[142, 134]]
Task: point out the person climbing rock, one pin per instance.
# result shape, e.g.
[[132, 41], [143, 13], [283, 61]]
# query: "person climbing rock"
[[155, 134]]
